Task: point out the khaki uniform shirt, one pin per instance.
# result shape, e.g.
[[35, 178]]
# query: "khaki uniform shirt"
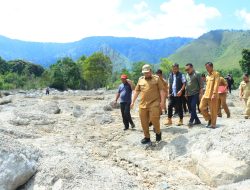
[[165, 85], [246, 89], [150, 91], [223, 82], [212, 84]]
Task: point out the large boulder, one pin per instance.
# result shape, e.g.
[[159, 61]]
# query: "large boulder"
[[243, 185], [216, 168], [221, 156], [50, 107], [35, 118], [5, 100], [18, 163]]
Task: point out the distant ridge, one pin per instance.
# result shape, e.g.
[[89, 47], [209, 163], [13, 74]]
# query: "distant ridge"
[[223, 47], [122, 51]]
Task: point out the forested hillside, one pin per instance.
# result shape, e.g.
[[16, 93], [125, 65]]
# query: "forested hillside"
[[223, 47]]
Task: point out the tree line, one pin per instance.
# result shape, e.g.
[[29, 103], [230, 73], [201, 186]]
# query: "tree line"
[[93, 72]]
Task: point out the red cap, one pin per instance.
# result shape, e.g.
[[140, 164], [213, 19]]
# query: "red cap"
[[124, 76]]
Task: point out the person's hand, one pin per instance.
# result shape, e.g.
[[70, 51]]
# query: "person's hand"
[[213, 97], [129, 81], [179, 93], [241, 97], [200, 96], [162, 105], [132, 105]]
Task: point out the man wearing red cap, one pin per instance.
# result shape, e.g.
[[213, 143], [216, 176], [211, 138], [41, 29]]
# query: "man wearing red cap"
[[125, 94]]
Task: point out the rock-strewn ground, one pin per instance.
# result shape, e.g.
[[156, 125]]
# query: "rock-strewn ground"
[[75, 140]]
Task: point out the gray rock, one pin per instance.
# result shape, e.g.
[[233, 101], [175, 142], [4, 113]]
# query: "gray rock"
[[77, 111], [17, 163], [222, 156], [20, 121], [22, 118], [162, 186], [216, 168], [243, 185], [104, 119], [5, 100], [107, 108], [177, 147], [50, 107], [114, 105]]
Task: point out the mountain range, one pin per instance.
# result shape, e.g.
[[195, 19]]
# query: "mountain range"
[[122, 51], [222, 47]]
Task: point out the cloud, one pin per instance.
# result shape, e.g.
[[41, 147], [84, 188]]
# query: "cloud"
[[141, 6], [70, 20], [243, 14], [176, 18], [58, 20]]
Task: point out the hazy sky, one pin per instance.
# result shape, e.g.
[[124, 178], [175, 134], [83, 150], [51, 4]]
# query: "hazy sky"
[[71, 20]]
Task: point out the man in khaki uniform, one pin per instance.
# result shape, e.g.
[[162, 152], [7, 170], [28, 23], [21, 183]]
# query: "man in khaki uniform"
[[245, 94], [152, 99], [222, 101], [165, 87], [209, 100]]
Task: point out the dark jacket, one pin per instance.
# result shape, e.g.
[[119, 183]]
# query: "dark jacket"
[[178, 82]]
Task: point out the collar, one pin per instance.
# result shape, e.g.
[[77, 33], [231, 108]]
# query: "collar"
[[211, 73], [149, 78], [192, 73]]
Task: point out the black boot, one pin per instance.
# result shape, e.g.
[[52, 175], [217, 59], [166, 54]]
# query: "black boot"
[[145, 140], [197, 122], [208, 124], [132, 125], [158, 137]]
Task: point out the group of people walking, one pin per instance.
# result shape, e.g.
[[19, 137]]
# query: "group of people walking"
[[208, 92]]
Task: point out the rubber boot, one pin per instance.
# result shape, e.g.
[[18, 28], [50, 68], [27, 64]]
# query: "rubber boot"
[[180, 122]]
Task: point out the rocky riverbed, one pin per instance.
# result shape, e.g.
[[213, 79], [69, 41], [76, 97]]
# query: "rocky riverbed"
[[74, 140]]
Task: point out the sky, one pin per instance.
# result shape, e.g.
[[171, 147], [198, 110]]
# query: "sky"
[[72, 20]]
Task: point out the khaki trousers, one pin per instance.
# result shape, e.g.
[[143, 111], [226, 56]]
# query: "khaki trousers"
[[207, 105], [222, 102], [247, 111], [150, 115]]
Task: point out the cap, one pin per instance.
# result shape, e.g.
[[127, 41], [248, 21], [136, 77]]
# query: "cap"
[[124, 76], [146, 68]]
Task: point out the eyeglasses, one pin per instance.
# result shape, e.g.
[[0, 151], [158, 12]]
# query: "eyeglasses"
[[187, 70]]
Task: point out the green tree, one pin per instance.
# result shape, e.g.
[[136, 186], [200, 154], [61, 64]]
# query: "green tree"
[[245, 61], [22, 67], [81, 60], [4, 67], [97, 71], [65, 74], [80, 63], [56, 78], [16, 81], [166, 66], [137, 70]]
